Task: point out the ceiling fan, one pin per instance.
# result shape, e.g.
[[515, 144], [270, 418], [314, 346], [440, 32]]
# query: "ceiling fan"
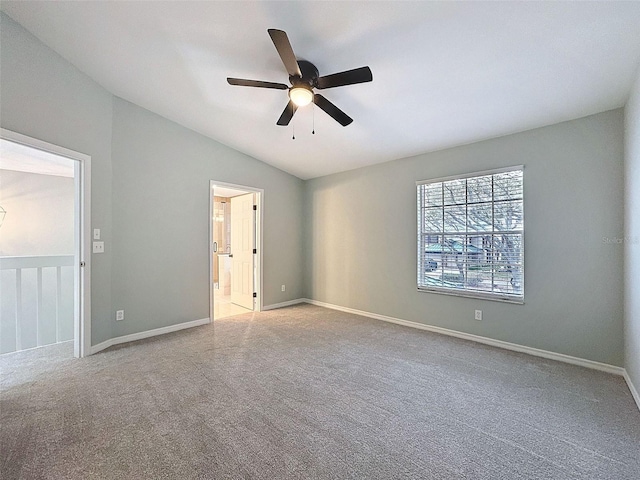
[[304, 77]]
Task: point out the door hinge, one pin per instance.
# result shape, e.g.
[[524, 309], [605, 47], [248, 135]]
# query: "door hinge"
[[255, 295], [255, 250], [255, 207], [82, 264]]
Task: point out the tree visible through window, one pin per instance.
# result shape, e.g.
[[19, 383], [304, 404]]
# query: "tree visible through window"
[[470, 235]]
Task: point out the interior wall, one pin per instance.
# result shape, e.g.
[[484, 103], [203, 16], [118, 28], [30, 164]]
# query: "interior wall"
[[149, 191], [161, 196], [45, 97], [360, 239], [360, 228], [40, 214], [632, 234]]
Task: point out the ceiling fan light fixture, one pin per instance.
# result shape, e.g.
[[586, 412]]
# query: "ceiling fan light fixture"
[[301, 96], [304, 78]]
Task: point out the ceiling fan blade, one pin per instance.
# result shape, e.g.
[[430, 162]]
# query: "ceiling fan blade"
[[283, 46], [287, 114], [333, 111], [256, 83], [349, 77]]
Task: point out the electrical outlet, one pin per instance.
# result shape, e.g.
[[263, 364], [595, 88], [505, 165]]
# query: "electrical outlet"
[[98, 247], [283, 288], [119, 315], [478, 315]]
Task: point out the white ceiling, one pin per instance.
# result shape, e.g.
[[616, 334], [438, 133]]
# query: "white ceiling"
[[444, 73]]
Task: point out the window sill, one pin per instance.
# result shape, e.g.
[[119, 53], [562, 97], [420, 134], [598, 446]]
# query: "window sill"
[[476, 295]]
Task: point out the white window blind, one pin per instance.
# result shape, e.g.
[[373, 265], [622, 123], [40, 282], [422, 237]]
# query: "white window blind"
[[471, 235]]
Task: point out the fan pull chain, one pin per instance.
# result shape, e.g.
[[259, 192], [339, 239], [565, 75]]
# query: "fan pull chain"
[[293, 123], [313, 116]]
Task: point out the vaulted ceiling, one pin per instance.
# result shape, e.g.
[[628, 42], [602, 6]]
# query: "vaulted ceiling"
[[444, 73]]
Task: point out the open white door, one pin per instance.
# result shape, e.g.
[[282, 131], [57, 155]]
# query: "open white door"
[[242, 245]]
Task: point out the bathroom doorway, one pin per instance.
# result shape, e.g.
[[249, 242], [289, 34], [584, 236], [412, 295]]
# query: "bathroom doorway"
[[235, 253]]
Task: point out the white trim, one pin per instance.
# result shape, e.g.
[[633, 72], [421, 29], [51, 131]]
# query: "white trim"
[[632, 388], [493, 297], [561, 357], [259, 248], [82, 347], [41, 145], [82, 251], [148, 333], [285, 304], [211, 252]]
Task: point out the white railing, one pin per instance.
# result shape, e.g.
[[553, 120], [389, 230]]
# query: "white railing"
[[36, 301]]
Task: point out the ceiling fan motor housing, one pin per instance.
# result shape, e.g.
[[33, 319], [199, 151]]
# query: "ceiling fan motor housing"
[[309, 75]]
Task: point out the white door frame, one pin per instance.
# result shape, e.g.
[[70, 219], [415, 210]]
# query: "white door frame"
[[259, 244], [82, 236]]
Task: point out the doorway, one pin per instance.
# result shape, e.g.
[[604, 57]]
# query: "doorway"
[[235, 230], [45, 285]]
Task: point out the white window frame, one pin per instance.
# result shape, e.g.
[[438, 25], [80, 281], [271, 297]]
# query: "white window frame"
[[421, 235]]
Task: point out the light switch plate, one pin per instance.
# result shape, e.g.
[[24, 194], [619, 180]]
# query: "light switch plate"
[[96, 234], [98, 247]]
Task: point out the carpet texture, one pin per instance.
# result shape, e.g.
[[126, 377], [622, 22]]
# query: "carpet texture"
[[310, 393]]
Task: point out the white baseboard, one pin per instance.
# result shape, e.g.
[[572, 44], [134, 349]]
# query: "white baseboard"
[[284, 304], [604, 367], [148, 333], [634, 392]]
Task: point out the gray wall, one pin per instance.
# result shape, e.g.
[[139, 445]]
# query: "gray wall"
[[632, 235], [149, 189], [40, 214], [161, 174], [360, 239], [45, 97], [150, 198]]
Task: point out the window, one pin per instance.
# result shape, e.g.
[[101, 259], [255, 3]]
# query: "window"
[[471, 235]]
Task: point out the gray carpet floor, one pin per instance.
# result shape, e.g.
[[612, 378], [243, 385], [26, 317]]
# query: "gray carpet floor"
[[309, 393]]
